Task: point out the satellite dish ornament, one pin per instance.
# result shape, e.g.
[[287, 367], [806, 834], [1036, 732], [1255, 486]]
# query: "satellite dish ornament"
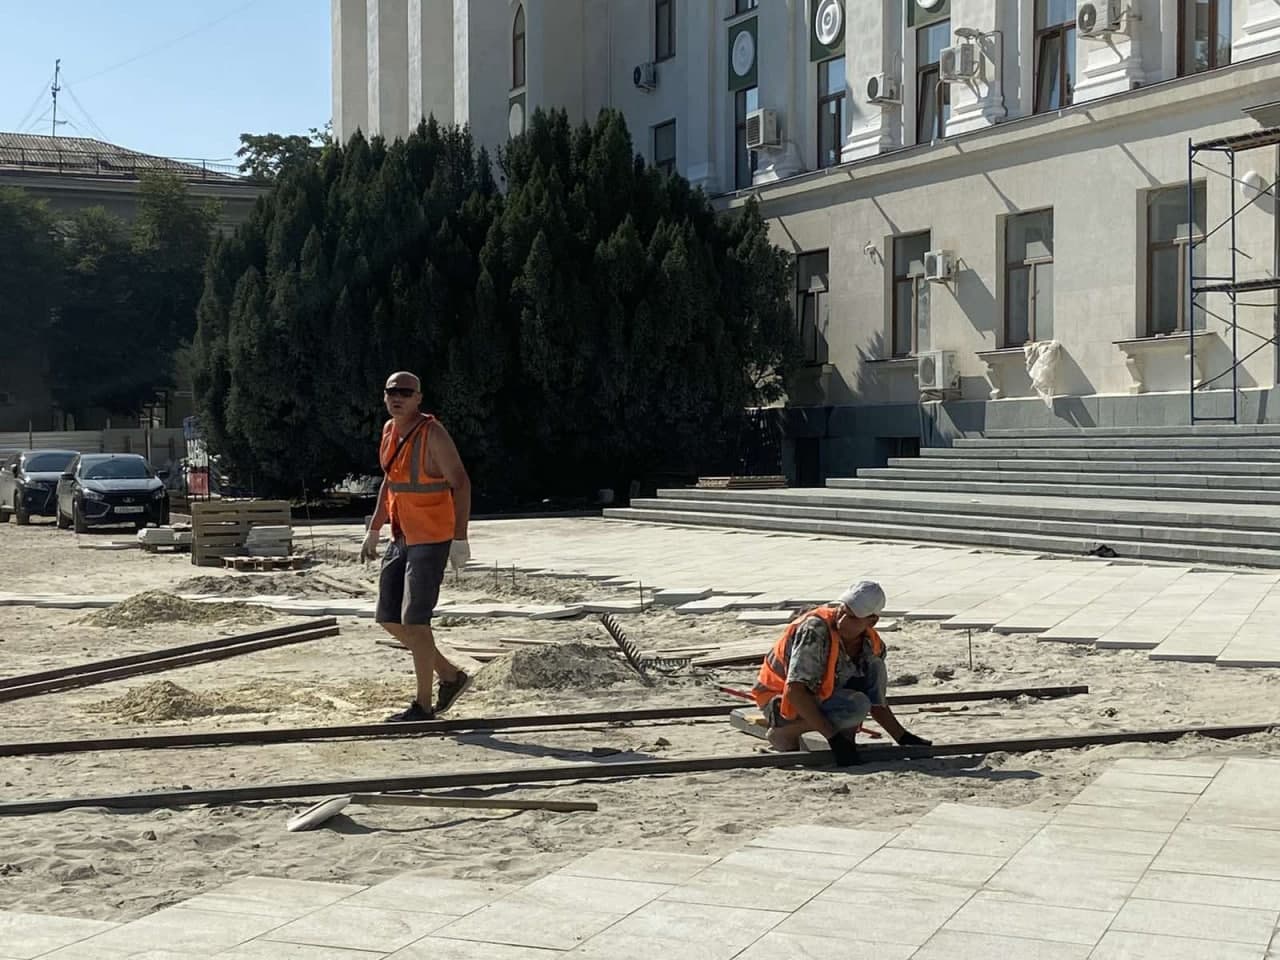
[[828, 21]]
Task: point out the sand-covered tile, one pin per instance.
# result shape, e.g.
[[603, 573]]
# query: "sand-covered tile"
[[359, 928], [272, 897], [185, 930], [24, 935], [596, 894], [423, 893], [650, 866], [1166, 768], [823, 839], [1120, 779]]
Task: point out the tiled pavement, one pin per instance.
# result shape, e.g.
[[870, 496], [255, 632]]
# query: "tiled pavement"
[[1154, 859]]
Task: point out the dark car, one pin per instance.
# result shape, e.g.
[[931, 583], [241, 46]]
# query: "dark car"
[[111, 488], [29, 483]]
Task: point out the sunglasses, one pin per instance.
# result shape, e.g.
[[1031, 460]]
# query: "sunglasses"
[[400, 391]]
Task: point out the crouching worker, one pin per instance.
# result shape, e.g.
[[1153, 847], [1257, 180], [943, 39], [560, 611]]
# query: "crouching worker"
[[826, 673]]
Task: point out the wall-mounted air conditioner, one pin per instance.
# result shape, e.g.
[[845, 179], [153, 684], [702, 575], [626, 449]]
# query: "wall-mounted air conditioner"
[[762, 129], [936, 371], [939, 266], [1099, 18], [645, 76], [882, 88], [958, 63]]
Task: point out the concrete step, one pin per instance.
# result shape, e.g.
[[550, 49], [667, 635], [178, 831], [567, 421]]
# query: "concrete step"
[[1200, 430], [920, 480], [1250, 517], [1053, 464], [1198, 454], [1216, 482], [922, 513], [988, 536], [1252, 441]]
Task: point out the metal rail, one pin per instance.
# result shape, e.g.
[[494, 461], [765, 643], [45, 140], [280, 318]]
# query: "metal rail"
[[226, 796]]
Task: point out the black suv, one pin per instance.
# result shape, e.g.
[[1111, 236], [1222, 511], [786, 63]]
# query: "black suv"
[[111, 488], [29, 483]]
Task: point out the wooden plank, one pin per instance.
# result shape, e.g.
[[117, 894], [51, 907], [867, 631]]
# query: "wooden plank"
[[268, 735], [226, 796]]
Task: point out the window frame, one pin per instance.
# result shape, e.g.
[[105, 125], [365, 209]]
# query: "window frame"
[[661, 53], [917, 280], [813, 356], [923, 70], [1066, 33], [1031, 266], [519, 50], [744, 6], [740, 111], [1215, 8], [1185, 249], [665, 166], [824, 99]]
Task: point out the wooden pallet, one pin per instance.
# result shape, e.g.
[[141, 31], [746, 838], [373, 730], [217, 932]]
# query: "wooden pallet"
[[165, 547], [219, 527], [741, 483], [264, 563]]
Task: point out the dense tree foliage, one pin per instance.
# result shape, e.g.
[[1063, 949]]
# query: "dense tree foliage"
[[596, 323]]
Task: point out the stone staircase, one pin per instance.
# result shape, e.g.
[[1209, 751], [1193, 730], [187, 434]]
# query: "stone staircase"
[[1201, 495]]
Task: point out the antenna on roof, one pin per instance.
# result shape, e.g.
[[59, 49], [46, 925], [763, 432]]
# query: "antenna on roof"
[[55, 89]]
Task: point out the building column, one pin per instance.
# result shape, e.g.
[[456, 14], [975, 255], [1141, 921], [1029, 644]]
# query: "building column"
[[388, 68], [350, 68], [1260, 32], [701, 121], [979, 102], [873, 40], [430, 61]]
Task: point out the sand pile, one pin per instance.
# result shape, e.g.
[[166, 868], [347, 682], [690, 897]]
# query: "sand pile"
[[570, 666], [301, 583], [161, 700], [156, 606]]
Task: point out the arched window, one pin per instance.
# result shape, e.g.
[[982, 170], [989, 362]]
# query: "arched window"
[[517, 49]]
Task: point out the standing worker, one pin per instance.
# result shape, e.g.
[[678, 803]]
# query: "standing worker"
[[826, 673], [426, 495]]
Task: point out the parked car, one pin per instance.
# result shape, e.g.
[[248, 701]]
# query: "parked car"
[[29, 483], [99, 489]]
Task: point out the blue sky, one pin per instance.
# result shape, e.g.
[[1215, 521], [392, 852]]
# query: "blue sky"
[[247, 66]]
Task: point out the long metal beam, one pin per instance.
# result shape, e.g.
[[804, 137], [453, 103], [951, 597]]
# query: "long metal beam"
[[226, 796], [160, 665], [94, 666], [443, 727]]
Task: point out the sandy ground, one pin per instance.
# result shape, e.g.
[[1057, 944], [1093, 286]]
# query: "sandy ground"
[[119, 866]]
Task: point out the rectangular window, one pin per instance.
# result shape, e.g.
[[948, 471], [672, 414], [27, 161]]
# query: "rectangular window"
[[1028, 287], [831, 111], [811, 304], [910, 295], [1204, 35], [744, 6], [664, 147], [933, 98], [1169, 238], [1055, 47], [744, 101], [664, 30]]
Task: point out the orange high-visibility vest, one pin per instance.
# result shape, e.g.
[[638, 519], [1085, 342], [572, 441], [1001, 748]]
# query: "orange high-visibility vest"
[[420, 505], [772, 681]]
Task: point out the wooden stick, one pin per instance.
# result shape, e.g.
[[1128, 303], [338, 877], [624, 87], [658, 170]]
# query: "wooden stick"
[[471, 803], [267, 735], [226, 796]]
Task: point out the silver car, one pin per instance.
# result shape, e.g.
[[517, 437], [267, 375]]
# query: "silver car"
[[29, 483]]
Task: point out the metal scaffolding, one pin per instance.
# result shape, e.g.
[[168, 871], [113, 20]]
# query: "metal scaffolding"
[[1231, 286]]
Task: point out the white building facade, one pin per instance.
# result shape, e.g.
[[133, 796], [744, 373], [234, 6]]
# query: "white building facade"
[[986, 197]]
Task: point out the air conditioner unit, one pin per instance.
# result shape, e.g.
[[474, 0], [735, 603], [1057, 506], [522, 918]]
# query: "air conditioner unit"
[[762, 129], [645, 76], [936, 371], [939, 265], [882, 88], [958, 63], [1099, 18]]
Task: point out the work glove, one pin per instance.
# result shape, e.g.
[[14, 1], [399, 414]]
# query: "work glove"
[[844, 750], [911, 740], [459, 554], [369, 549]]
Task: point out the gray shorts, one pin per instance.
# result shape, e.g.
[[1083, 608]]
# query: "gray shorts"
[[409, 584]]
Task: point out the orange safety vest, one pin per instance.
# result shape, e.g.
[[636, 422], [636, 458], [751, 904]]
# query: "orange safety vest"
[[420, 505], [772, 681]]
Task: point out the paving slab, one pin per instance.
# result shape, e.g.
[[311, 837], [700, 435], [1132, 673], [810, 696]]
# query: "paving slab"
[[1123, 945], [359, 928], [819, 839], [681, 931], [26, 935], [795, 946], [766, 618], [958, 945], [263, 896], [718, 604], [423, 893], [596, 894], [1156, 803], [1158, 822], [888, 909], [674, 596], [1107, 839], [987, 914], [955, 828], [1221, 924], [959, 868], [1202, 888], [763, 861], [1120, 779], [1175, 768], [183, 930], [646, 865], [275, 950], [730, 886], [440, 948], [1222, 851]]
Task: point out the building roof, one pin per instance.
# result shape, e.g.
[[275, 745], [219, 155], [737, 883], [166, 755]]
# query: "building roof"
[[86, 157]]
